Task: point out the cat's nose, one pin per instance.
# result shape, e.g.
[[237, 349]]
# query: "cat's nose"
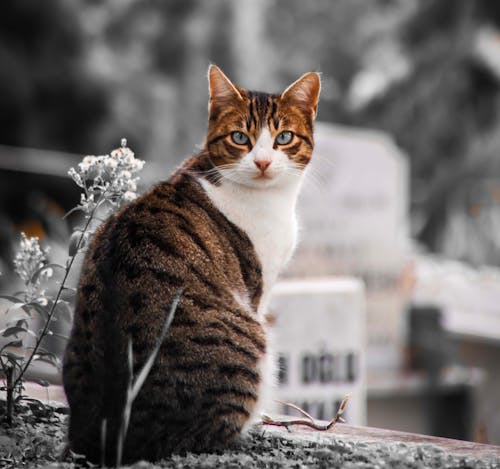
[[262, 164]]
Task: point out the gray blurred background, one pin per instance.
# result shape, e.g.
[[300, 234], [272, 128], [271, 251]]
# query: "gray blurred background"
[[77, 75]]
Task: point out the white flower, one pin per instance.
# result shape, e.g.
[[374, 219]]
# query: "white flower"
[[90, 160], [29, 258], [136, 166], [129, 196], [86, 199], [110, 163], [48, 272], [131, 185], [107, 177], [76, 177]]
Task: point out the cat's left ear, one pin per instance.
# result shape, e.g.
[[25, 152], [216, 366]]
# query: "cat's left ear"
[[304, 92]]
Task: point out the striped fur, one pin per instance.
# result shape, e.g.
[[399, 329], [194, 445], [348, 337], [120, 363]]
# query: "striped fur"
[[205, 383]]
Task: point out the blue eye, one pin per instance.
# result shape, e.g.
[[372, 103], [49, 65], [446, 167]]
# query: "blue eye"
[[284, 137], [239, 138]]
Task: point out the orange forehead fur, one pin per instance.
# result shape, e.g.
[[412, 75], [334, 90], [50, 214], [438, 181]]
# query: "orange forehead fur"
[[236, 109]]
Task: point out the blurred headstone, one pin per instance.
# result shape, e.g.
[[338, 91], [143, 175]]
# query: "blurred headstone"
[[468, 297], [353, 217], [318, 340]]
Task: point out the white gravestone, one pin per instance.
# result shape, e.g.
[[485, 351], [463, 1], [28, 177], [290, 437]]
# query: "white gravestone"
[[318, 341], [353, 218]]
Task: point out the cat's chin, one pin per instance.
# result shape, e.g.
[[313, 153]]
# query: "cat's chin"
[[264, 178], [266, 181]]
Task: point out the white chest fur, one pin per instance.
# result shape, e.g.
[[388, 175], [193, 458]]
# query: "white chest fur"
[[267, 216]]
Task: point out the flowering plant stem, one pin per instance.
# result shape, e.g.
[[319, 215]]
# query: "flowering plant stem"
[[45, 329], [109, 182], [10, 393], [13, 383]]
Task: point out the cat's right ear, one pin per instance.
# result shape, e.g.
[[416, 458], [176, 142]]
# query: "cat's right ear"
[[220, 87]]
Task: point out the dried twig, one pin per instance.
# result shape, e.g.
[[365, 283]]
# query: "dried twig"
[[309, 421]]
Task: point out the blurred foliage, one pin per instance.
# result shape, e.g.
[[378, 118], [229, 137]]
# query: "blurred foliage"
[[79, 74], [48, 99], [443, 109], [319, 36], [447, 99], [161, 25]]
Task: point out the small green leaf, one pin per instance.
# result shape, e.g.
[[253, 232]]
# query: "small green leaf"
[[64, 311], [13, 356], [41, 382], [74, 209], [12, 299], [16, 302], [75, 243], [21, 322], [47, 358], [12, 343], [13, 330], [18, 319], [43, 311], [68, 293]]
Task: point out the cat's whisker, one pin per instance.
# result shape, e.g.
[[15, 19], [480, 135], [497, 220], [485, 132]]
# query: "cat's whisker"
[[325, 160], [231, 175], [216, 170], [314, 178], [219, 173], [241, 174], [204, 173]]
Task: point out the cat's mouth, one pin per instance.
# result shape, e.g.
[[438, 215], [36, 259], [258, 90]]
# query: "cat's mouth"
[[263, 177]]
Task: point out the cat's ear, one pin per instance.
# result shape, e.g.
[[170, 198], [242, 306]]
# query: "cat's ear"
[[220, 87], [304, 92]]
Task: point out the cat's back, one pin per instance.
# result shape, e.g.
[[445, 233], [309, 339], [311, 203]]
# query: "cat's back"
[[204, 383], [173, 237]]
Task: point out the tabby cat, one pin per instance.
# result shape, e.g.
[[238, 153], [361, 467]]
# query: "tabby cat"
[[221, 228]]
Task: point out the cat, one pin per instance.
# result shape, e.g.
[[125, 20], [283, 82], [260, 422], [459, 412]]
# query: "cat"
[[220, 228]]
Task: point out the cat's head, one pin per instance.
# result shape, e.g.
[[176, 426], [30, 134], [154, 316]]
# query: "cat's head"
[[259, 139]]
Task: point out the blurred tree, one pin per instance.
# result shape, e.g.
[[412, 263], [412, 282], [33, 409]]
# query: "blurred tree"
[[78, 74], [438, 111], [322, 36], [154, 56], [48, 100]]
